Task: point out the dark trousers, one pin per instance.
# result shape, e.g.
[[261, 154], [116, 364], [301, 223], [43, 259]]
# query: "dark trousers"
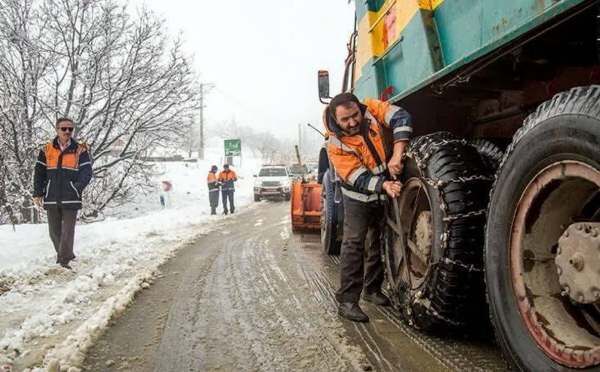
[[361, 264], [61, 223], [228, 195], [213, 198]]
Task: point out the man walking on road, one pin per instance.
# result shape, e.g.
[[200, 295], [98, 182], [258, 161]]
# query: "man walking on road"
[[227, 178], [213, 189], [63, 169], [357, 151]]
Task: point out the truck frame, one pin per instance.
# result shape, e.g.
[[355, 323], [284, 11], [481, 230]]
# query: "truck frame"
[[500, 210]]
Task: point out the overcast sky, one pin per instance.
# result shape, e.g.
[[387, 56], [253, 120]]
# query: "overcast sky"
[[262, 56]]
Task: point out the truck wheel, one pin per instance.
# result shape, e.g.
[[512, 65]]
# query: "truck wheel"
[[256, 198], [329, 219], [490, 152], [542, 255], [434, 234]]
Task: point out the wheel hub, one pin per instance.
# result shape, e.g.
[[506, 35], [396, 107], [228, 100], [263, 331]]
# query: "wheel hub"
[[424, 235], [578, 262], [553, 269]]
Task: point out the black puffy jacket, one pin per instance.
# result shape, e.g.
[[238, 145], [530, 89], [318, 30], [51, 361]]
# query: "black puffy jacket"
[[61, 176]]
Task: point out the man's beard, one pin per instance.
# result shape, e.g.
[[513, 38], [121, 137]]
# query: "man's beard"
[[353, 131]]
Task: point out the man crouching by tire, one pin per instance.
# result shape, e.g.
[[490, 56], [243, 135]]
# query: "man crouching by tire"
[[357, 151]]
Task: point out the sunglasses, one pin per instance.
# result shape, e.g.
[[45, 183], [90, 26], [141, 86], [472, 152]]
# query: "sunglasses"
[[67, 129]]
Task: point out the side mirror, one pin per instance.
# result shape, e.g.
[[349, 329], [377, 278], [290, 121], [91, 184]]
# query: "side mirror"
[[323, 85]]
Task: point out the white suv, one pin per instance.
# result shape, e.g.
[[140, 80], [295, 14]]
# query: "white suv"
[[272, 180]]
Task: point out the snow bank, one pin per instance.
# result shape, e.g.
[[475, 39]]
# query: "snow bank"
[[49, 311]]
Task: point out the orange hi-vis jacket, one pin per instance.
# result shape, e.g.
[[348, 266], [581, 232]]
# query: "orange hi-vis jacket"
[[361, 173], [213, 183], [60, 176], [227, 178]]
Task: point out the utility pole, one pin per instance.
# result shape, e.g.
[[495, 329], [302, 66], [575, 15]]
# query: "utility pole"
[[300, 135], [203, 86]]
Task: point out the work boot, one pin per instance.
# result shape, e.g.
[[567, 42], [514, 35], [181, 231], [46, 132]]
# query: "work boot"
[[352, 311], [71, 259], [66, 266], [225, 212], [376, 298]]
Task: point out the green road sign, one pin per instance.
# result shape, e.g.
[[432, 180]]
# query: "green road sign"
[[233, 147]]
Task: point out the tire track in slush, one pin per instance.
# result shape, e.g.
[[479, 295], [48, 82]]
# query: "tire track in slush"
[[323, 285], [270, 312], [271, 262], [340, 349], [455, 356]]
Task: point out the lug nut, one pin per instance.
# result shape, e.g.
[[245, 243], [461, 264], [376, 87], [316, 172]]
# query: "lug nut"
[[577, 261]]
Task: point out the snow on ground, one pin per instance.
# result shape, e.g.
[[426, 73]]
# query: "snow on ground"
[[50, 313]]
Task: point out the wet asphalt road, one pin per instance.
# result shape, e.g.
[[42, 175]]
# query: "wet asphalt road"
[[251, 296]]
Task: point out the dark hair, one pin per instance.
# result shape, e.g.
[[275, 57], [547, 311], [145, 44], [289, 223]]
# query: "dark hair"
[[226, 166], [60, 120], [342, 99], [214, 168]]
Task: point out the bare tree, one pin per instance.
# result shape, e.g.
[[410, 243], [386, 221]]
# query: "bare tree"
[[126, 83]]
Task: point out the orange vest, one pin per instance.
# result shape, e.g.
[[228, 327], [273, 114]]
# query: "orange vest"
[[69, 160], [211, 178], [225, 176], [351, 153]]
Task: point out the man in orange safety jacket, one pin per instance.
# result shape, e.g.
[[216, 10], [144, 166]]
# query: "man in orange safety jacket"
[[358, 152], [213, 189], [227, 177]]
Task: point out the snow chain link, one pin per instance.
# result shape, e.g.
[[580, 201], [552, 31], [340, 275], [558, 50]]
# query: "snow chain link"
[[428, 147]]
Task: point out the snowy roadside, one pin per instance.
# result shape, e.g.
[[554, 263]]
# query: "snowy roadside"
[[48, 313]]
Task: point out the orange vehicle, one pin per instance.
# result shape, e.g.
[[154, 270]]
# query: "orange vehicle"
[[306, 202], [306, 206]]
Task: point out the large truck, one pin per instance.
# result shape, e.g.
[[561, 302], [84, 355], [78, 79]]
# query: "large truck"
[[500, 208]]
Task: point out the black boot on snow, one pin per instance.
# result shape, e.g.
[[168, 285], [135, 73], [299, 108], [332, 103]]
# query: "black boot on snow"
[[376, 298], [353, 312], [225, 212]]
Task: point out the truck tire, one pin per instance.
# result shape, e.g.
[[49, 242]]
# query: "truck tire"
[[329, 218], [489, 151], [436, 281], [549, 179]]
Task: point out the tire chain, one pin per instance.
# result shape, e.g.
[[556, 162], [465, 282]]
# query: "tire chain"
[[428, 145]]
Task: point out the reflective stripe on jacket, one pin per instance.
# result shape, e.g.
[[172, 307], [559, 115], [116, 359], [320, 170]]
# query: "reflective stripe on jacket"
[[227, 178], [61, 176], [351, 157]]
